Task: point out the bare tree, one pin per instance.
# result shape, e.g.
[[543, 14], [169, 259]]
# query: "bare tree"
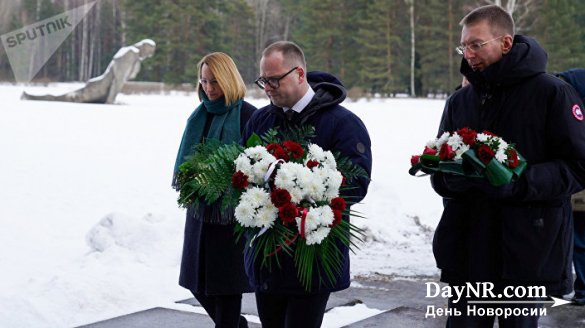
[[523, 11], [410, 3]]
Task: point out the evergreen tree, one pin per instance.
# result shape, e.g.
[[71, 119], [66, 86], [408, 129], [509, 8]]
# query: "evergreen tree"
[[434, 47], [560, 31], [383, 68]]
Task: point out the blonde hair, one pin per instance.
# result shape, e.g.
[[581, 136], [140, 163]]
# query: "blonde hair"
[[227, 75]]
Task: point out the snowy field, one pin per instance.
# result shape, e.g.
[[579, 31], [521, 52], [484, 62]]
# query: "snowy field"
[[90, 228]]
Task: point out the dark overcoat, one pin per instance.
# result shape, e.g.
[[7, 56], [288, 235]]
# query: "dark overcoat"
[[212, 262]]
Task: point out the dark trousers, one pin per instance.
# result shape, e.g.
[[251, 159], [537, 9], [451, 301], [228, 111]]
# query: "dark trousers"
[[465, 321], [579, 254], [224, 310], [291, 311]]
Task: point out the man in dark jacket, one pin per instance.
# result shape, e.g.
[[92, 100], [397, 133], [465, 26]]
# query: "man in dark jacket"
[[519, 234], [301, 99], [576, 78]]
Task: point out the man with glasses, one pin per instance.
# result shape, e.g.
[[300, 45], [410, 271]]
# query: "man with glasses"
[[299, 99], [519, 234]]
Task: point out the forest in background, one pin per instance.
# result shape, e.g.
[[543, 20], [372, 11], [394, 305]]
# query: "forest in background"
[[380, 47]]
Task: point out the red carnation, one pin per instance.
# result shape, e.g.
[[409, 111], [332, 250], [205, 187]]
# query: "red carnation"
[[338, 203], [446, 152], [337, 215], [513, 160], [414, 160], [489, 133], [277, 151], [240, 180], [343, 180], [294, 148], [312, 163], [485, 154], [429, 151], [279, 197], [468, 136], [288, 212]]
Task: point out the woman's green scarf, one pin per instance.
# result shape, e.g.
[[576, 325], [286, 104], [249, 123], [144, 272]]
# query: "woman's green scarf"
[[225, 126]]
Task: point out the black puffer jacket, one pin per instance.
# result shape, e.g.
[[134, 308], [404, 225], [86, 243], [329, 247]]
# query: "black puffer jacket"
[[520, 233]]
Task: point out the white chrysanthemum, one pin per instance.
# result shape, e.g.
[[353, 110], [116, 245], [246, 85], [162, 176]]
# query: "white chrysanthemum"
[[442, 139], [258, 171], [255, 196], [482, 137], [325, 158], [243, 164], [284, 179], [330, 161], [318, 216], [332, 182], [304, 176], [315, 189], [501, 155], [432, 143], [259, 153], [266, 216], [311, 221], [296, 194], [261, 159], [460, 151], [316, 152], [317, 236], [244, 214], [502, 144], [325, 214], [293, 177], [455, 141]]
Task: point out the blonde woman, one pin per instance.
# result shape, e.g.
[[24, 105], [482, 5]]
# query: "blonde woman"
[[212, 265]]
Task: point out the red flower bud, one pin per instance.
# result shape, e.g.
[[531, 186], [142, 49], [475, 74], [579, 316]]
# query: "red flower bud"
[[280, 197], [338, 203], [485, 153], [429, 151], [240, 180], [414, 160], [294, 148], [468, 136], [446, 152], [312, 163], [513, 160], [288, 212]]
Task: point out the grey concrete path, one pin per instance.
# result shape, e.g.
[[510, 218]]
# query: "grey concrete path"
[[402, 300]]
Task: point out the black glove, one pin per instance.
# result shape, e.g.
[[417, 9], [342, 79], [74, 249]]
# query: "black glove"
[[511, 191], [458, 183]]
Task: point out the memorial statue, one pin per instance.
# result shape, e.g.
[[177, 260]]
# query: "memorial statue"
[[103, 89]]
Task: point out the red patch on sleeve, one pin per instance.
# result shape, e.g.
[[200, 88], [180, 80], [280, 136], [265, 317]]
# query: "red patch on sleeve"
[[577, 112]]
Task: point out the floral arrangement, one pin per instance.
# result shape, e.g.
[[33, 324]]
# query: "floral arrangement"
[[466, 152], [286, 196]]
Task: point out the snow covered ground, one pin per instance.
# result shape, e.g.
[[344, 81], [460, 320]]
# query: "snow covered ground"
[[89, 224]]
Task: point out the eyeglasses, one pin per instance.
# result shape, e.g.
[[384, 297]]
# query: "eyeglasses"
[[474, 47], [273, 82]]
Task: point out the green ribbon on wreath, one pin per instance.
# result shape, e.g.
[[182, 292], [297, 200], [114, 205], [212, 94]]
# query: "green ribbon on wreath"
[[470, 166]]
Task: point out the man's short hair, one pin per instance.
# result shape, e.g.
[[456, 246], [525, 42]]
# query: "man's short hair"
[[292, 53], [497, 17]]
